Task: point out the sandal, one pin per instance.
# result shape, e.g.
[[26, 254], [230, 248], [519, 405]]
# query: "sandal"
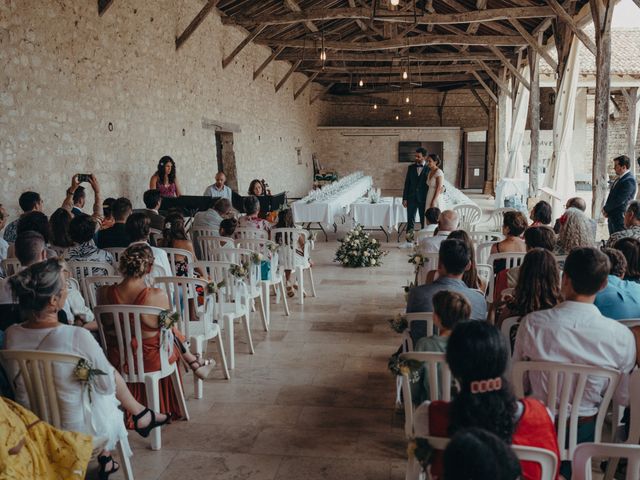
[[104, 460], [145, 431], [290, 292], [203, 368]]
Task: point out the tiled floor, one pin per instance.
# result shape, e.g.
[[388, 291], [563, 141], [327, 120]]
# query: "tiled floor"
[[315, 401]]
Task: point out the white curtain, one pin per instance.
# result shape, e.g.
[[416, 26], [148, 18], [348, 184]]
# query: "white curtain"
[[515, 165], [559, 183]]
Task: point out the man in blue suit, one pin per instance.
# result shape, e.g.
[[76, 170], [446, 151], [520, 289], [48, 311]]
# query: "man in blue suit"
[[623, 190], [414, 196]]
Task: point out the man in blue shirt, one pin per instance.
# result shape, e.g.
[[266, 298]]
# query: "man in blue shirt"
[[620, 299]]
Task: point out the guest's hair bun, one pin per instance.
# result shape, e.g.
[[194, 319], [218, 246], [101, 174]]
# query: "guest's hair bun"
[[136, 260], [34, 286]]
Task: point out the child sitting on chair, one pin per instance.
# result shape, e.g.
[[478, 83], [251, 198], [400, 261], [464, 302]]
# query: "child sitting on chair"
[[227, 229], [285, 220]]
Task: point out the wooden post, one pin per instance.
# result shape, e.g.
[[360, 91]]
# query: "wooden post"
[[503, 127], [601, 11], [534, 120], [489, 186], [631, 96]]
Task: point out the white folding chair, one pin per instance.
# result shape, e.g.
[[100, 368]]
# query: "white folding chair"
[[207, 243], [203, 232], [173, 253], [581, 468], [116, 252], [242, 233], [430, 263], [125, 321], [10, 266], [633, 438], [291, 260], [468, 216], [92, 284], [81, 269], [496, 219], [407, 342], [155, 235], [233, 302], [197, 321], [564, 385], [37, 374], [478, 237], [511, 260]]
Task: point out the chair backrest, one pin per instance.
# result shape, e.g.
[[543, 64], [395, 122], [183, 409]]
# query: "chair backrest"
[[258, 245], [630, 322], [421, 316], [565, 386], [172, 253], [37, 374], [242, 233], [155, 235], [581, 468], [94, 282], [10, 266], [420, 234], [440, 383], [125, 321], [208, 242], [430, 263], [505, 329], [483, 250], [287, 238], [486, 272], [511, 260], [116, 252], [81, 269], [483, 237], [468, 215], [203, 232], [496, 219]]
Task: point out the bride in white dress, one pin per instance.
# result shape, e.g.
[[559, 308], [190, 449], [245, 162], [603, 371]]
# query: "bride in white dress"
[[435, 182]]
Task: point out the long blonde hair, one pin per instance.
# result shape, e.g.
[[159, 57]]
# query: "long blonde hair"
[[575, 231]]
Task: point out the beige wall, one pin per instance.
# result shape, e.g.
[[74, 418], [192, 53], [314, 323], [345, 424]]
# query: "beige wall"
[[66, 73]]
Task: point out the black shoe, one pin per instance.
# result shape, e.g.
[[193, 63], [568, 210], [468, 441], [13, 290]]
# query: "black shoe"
[[103, 460], [144, 432]]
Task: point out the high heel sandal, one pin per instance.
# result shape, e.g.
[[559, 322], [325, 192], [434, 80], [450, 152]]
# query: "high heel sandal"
[[204, 368], [145, 431], [103, 460]]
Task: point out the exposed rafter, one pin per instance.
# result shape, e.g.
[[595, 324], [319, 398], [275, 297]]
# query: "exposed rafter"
[[195, 23], [533, 43], [305, 85], [510, 66], [226, 61], [264, 65], [103, 6], [565, 17], [287, 75], [385, 57]]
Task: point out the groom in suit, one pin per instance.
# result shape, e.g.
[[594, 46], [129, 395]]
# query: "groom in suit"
[[414, 195], [623, 190]]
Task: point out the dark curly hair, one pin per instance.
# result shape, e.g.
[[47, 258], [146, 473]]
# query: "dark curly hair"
[[541, 212], [59, 223], [173, 229], [630, 248], [538, 286], [161, 164], [478, 351], [34, 221]]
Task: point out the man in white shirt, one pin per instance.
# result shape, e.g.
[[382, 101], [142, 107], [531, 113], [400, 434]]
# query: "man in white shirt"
[[218, 189], [447, 223], [138, 225], [575, 331]]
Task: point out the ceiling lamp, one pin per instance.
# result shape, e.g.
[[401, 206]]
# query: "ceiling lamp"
[[409, 112], [397, 117], [375, 106], [407, 100], [323, 55], [395, 3], [361, 83], [405, 75]]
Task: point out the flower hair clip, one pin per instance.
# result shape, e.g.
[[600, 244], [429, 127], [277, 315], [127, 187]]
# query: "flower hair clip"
[[167, 225], [484, 386]]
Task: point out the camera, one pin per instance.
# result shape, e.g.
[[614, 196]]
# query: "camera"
[[84, 177]]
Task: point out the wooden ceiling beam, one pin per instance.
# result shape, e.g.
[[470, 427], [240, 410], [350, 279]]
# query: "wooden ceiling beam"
[[486, 87], [533, 43], [103, 6], [361, 13], [479, 99], [334, 77], [195, 23], [510, 67], [566, 18], [415, 70], [226, 61], [498, 81], [304, 85], [264, 65], [415, 41], [294, 7], [382, 57], [287, 75]]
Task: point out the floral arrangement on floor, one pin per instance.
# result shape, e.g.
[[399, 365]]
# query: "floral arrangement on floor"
[[399, 323], [411, 234], [358, 249]]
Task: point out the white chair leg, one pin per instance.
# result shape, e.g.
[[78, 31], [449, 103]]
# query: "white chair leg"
[[228, 319], [125, 462], [266, 305], [284, 297], [196, 349], [277, 291], [313, 285], [223, 357], [414, 471], [247, 326], [177, 387], [153, 401], [300, 278]]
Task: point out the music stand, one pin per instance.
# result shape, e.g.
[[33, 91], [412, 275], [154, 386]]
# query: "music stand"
[[188, 205], [268, 203]]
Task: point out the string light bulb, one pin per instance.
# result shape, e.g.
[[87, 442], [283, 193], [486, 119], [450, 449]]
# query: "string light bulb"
[[361, 83], [405, 75], [395, 3], [375, 106], [409, 112], [397, 117], [407, 100], [323, 55]]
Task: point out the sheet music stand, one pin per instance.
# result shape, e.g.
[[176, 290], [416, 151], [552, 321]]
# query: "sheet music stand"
[[268, 203], [188, 205]]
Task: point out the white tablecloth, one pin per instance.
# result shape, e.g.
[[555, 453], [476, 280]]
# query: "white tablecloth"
[[324, 211], [368, 214]]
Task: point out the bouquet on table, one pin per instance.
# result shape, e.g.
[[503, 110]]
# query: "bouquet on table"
[[357, 249]]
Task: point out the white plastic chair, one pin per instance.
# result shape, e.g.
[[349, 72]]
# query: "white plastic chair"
[[155, 235], [196, 321], [560, 259], [420, 234], [468, 216], [478, 237], [290, 260], [486, 272], [505, 329], [634, 420], [92, 284], [37, 373], [207, 243], [565, 385], [511, 259], [172, 253], [496, 219], [581, 468], [10, 266], [116, 252], [630, 322], [203, 232], [125, 321], [242, 233], [407, 342], [81, 269], [483, 250], [233, 303], [430, 263]]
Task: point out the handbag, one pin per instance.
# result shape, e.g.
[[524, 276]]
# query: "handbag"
[[265, 270]]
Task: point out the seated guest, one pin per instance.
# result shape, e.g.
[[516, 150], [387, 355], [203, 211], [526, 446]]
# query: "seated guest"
[[630, 248], [620, 299], [135, 263], [175, 236], [227, 229], [116, 236], [165, 180], [447, 223], [138, 225], [211, 218], [486, 457], [218, 189], [540, 214], [534, 237], [454, 259], [256, 188], [79, 199], [82, 230], [41, 291], [59, 224], [76, 195], [577, 203], [537, 287], [631, 224], [513, 226], [152, 201], [575, 232], [35, 222], [575, 331], [449, 308], [251, 219], [29, 202], [478, 357], [107, 213], [431, 216]]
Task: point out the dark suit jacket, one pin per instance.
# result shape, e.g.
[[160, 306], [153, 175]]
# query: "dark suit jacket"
[[622, 192], [415, 186], [115, 236], [157, 220]]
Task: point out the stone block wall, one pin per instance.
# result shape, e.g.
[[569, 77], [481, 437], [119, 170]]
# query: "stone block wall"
[[67, 73]]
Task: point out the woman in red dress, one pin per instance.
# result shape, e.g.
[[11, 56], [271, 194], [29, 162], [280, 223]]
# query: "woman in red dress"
[[477, 355]]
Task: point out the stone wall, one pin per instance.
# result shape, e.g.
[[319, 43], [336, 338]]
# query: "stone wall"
[[66, 73]]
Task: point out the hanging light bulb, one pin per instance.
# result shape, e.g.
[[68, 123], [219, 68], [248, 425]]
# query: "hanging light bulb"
[[405, 75], [409, 112], [323, 55], [407, 100], [397, 117], [375, 106], [395, 3], [361, 83]]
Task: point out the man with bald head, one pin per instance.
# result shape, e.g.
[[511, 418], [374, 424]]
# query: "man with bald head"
[[447, 223], [218, 189]]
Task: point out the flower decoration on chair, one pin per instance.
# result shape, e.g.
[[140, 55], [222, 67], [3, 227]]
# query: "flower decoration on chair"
[[398, 323], [422, 450], [168, 318], [85, 373], [240, 271], [212, 287], [357, 249], [411, 368], [406, 289], [273, 247], [257, 258]]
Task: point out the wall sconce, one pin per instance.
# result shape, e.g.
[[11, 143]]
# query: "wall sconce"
[[110, 127]]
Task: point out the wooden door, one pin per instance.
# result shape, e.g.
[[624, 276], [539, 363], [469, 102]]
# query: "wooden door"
[[475, 160]]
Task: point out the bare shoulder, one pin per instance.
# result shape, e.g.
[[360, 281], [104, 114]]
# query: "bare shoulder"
[[157, 297]]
